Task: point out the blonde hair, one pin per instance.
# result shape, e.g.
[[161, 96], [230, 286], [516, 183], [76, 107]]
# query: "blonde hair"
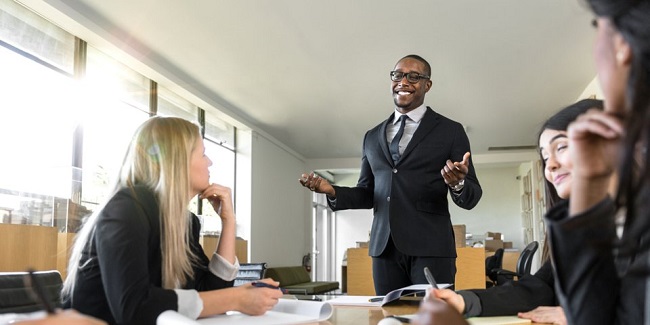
[[158, 158]]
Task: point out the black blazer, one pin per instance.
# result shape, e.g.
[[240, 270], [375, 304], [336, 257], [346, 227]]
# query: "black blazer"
[[410, 199], [525, 294], [120, 274]]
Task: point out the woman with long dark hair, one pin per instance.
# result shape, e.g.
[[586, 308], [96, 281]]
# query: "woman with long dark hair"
[[602, 277], [532, 296]]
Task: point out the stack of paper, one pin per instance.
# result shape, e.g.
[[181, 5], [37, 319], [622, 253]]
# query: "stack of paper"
[[285, 312], [498, 320]]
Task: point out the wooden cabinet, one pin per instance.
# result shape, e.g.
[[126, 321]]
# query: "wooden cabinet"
[[359, 279], [470, 270], [27, 246], [209, 244]]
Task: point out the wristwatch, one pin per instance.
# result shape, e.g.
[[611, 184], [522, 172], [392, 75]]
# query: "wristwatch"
[[458, 186]]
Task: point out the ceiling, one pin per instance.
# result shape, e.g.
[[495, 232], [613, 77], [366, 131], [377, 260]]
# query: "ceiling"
[[314, 74]]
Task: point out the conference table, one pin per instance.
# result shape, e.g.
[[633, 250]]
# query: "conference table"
[[350, 315]]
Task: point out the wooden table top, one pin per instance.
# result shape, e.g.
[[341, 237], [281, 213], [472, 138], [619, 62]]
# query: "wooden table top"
[[350, 315]]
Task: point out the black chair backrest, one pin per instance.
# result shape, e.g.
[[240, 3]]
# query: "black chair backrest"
[[16, 297], [249, 272], [492, 263], [525, 260]]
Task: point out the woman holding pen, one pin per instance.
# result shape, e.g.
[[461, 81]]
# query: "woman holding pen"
[[532, 296], [139, 255]]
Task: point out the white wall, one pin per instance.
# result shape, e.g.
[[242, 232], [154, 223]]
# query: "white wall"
[[499, 209], [280, 207]]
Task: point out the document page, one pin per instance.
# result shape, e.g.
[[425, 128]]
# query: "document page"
[[287, 311], [498, 320]]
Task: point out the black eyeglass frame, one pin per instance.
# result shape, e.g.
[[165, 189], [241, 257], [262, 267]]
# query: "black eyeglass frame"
[[412, 77]]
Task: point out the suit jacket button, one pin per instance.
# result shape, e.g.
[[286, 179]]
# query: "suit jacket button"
[[388, 199], [394, 170]]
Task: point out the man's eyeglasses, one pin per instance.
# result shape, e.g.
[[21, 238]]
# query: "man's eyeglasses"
[[411, 77]]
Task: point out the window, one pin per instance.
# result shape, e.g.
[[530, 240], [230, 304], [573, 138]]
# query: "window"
[[115, 101], [219, 147], [170, 104], [219, 131], [37, 126], [222, 172], [33, 36], [67, 137]]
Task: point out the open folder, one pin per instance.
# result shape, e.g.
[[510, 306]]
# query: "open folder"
[[377, 301], [287, 311]]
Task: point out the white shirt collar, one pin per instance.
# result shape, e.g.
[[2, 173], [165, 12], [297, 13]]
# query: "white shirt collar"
[[415, 115]]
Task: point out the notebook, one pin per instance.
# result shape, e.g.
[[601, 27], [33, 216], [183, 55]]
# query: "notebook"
[[378, 301]]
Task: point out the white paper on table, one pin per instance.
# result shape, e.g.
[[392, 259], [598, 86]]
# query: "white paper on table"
[[172, 317], [287, 311], [498, 320]]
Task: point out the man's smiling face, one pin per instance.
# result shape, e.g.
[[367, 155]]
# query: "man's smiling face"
[[408, 96]]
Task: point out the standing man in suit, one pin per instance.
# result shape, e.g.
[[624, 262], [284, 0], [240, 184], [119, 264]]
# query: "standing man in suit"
[[410, 162]]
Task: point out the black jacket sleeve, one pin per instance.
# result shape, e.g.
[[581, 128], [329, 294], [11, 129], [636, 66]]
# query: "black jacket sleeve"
[[203, 279], [527, 293]]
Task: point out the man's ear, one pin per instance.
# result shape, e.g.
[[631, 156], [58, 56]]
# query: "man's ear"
[[428, 85]]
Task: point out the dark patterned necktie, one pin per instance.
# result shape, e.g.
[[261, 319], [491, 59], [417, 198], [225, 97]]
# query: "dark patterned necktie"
[[394, 144]]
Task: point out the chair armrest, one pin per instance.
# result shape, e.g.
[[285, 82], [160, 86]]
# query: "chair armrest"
[[506, 272]]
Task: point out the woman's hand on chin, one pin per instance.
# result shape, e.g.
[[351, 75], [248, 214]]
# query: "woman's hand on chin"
[[221, 199]]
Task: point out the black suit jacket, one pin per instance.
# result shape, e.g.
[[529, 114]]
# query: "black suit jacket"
[[525, 294], [120, 273], [410, 199]]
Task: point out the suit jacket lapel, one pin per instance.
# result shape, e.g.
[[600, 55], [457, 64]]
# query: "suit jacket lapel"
[[382, 139], [427, 124]]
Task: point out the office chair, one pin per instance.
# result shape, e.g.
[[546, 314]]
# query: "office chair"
[[17, 297], [524, 264], [249, 272], [492, 265]]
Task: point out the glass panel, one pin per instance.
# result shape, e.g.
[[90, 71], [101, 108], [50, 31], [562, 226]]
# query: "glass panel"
[[108, 78], [116, 103], [37, 123], [107, 133], [219, 131], [222, 172], [170, 104], [29, 32]]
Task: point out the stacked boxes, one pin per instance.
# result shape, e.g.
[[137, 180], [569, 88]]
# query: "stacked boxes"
[[494, 241]]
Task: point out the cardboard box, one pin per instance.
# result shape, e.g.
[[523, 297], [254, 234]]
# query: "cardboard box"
[[493, 244], [494, 235], [459, 235], [507, 244]]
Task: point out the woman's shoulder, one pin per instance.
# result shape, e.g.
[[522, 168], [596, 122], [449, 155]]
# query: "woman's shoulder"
[[138, 193], [133, 199]]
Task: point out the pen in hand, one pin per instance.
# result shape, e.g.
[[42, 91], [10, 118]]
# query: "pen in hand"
[[430, 279], [266, 285], [38, 291]]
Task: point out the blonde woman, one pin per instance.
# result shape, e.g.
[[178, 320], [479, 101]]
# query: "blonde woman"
[[139, 254]]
